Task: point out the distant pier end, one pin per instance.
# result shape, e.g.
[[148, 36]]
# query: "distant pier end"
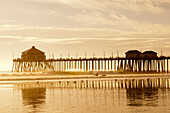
[[34, 60]]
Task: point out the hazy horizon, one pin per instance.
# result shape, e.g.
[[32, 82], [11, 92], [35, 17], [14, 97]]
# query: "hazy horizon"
[[79, 26]]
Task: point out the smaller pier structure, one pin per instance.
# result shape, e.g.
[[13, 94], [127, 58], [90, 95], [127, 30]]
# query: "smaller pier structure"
[[32, 60]]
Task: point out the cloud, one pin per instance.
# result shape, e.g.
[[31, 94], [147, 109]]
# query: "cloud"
[[114, 14], [76, 26], [15, 39], [58, 21], [60, 41]]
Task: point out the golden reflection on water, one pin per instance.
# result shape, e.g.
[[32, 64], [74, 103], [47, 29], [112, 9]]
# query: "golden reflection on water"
[[82, 96], [33, 97]]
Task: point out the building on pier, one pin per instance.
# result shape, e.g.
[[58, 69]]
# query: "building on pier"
[[33, 54], [32, 60], [149, 55], [133, 54]]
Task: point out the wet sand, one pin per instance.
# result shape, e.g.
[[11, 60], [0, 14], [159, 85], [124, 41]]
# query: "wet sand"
[[74, 75], [90, 96]]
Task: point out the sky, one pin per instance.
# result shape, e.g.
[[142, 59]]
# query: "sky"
[[78, 26]]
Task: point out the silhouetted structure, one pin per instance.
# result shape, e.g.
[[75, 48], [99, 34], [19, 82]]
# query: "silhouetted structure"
[[149, 55], [32, 60], [133, 54], [35, 60], [33, 54]]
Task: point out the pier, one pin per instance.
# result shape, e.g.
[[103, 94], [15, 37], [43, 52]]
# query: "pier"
[[149, 62]]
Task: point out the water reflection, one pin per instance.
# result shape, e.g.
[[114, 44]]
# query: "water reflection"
[[110, 95], [145, 92], [33, 95], [142, 97]]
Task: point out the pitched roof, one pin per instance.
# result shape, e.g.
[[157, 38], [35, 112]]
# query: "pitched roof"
[[146, 52], [33, 50], [133, 51]]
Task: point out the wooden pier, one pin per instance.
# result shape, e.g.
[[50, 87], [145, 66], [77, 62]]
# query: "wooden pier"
[[34, 60], [160, 64]]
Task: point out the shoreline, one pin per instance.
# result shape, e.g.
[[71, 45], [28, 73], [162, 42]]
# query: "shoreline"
[[73, 76], [68, 73]]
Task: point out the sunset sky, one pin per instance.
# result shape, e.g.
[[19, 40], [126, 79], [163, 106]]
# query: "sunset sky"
[[79, 26]]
